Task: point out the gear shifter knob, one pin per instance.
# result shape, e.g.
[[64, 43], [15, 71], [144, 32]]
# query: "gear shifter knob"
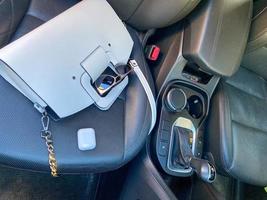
[[204, 169]]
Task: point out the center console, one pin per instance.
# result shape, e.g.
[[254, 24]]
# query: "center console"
[[194, 54], [185, 90], [185, 106], [187, 74]]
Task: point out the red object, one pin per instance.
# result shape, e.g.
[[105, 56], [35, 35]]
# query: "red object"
[[153, 52]]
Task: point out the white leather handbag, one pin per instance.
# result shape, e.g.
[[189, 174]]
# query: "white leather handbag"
[[56, 64]]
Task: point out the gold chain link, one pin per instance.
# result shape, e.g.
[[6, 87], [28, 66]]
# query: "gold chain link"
[[51, 154], [47, 135]]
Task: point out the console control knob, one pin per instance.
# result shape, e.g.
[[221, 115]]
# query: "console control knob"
[[176, 99]]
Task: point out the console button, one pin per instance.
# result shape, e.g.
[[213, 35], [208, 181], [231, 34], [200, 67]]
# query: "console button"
[[164, 135], [166, 125], [176, 100], [163, 148]]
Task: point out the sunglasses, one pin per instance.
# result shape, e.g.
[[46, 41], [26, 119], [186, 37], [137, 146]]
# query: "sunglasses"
[[108, 81]]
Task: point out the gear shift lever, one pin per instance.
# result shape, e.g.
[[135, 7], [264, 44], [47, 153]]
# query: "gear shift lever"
[[204, 169], [184, 156]]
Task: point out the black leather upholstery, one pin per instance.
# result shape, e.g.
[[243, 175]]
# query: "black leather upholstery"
[[237, 124], [237, 131], [18, 17], [40, 12], [147, 14], [11, 13], [255, 58], [120, 132]]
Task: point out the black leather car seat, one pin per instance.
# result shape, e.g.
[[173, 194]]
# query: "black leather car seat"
[[146, 14], [255, 58], [18, 17], [237, 130]]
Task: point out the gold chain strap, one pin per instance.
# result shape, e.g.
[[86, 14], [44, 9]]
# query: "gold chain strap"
[[47, 135]]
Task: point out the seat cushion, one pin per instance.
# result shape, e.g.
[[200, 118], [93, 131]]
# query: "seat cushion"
[[38, 13], [146, 14], [11, 13], [255, 58], [18, 17], [237, 127]]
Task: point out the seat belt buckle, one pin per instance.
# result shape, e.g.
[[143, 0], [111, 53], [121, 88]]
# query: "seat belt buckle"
[[152, 52]]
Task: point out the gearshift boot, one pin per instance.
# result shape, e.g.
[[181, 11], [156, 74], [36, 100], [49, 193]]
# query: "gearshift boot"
[[183, 151], [182, 155]]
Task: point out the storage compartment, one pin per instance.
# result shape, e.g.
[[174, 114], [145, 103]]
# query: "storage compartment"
[[194, 73]]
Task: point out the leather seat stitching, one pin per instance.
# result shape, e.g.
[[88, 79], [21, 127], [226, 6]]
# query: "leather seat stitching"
[[242, 90], [231, 166], [138, 6], [256, 16], [223, 159], [184, 10], [251, 127], [12, 18], [218, 28]]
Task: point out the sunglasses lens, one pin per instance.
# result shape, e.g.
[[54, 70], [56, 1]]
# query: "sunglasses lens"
[[123, 69], [104, 82]]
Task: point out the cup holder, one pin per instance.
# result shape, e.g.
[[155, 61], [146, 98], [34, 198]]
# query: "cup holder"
[[176, 99], [195, 106]]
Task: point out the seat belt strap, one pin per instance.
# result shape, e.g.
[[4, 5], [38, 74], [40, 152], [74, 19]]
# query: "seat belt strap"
[[148, 92]]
